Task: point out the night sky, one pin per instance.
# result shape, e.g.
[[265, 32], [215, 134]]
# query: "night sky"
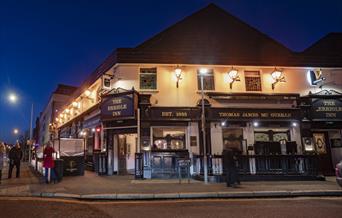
[[43, 43]]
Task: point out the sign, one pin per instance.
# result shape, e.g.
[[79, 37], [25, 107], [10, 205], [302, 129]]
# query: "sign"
[[326, 109], [119, 106], [248, 114], [175, 113]]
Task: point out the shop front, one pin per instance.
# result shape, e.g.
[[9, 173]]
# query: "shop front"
[[322, 126], [169, 134], [92, 134], [267, 140], [119, 123]]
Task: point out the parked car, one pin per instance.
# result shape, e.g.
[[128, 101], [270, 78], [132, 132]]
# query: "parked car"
[[338, 171]]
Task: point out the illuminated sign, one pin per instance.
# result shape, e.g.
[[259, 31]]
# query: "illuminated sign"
[[119, 106], [247, 114], [327, 109]]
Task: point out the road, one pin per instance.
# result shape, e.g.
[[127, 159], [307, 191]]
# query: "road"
[[297, 207]]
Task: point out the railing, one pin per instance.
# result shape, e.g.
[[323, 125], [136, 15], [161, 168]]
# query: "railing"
[[261, 164]]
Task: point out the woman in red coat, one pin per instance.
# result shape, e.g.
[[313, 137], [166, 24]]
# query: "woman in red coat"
[[49, 163]]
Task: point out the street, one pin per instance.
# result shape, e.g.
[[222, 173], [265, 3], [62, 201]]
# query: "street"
[[296, 207]]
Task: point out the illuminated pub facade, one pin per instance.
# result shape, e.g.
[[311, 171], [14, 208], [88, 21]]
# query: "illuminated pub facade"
[[260, 98]]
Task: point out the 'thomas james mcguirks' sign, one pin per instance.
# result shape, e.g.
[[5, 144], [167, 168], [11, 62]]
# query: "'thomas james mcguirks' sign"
[[119, 106]]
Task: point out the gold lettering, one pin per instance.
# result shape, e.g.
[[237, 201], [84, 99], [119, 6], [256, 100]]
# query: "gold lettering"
[[116, 113], [117, 101], [181, 114], [250, 115], [166, 114], [283, 115], [264, 114], [229, 114]]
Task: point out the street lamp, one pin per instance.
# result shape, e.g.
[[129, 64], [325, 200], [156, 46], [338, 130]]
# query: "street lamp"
[[12, 98], [203, 72], [15, 131]]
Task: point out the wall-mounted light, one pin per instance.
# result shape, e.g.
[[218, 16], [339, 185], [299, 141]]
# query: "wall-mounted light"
[[178, 74], [294, 124], [233, 76], [255, 124], [87, 93], [277, 77], [75, 104], [223, 123]]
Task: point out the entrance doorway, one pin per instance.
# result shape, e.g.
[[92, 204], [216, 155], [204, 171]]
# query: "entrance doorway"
[[321, 141], [125, 148]]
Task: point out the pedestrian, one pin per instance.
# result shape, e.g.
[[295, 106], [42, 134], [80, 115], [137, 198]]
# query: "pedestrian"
[[2, 157], [15, 155], [229, 167], [49, 163]]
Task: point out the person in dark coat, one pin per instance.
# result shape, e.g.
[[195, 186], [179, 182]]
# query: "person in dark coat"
[[229, 166], [15, 155]]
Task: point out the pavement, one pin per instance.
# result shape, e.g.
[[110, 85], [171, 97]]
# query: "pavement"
[[94, 187]]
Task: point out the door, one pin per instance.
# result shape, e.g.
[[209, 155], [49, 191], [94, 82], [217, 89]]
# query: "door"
[[122, 154], [321, 142]]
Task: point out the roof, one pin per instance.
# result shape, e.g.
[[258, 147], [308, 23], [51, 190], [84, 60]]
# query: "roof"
[[326, 52], [63, 89], [209, 36], [213, 36]]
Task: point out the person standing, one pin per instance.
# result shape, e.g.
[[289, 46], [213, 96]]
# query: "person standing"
[[2, 157], [229, 167], [49, 163], [15, 155]]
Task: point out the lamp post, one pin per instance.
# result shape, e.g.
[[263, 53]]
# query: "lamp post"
[[13, 98], [203, 71]]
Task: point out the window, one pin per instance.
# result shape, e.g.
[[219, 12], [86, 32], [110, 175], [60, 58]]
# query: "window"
[[253, 81], [168, 138], [232, 138], [148, 78], [208, 80]]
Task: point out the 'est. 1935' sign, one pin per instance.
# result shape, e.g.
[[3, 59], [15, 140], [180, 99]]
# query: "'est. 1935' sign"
[[327, 109], [119, 106]]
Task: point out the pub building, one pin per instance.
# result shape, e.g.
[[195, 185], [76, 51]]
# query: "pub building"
[[140, 110], [322, 126]]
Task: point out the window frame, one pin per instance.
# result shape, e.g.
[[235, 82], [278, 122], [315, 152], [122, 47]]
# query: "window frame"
[[251, 71], [212, 72], [144, 73]]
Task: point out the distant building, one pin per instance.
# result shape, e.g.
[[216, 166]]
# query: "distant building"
[[57, 99]]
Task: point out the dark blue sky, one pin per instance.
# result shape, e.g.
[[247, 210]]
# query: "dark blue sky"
[[43, 43]]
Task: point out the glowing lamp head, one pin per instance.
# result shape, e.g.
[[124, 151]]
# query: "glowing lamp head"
[[15, 131], [255, 124], [233, 74], [277, 75], [87, 93], [98, 129], [203, 71], [12, 98], [74, 104], [178, 72]]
